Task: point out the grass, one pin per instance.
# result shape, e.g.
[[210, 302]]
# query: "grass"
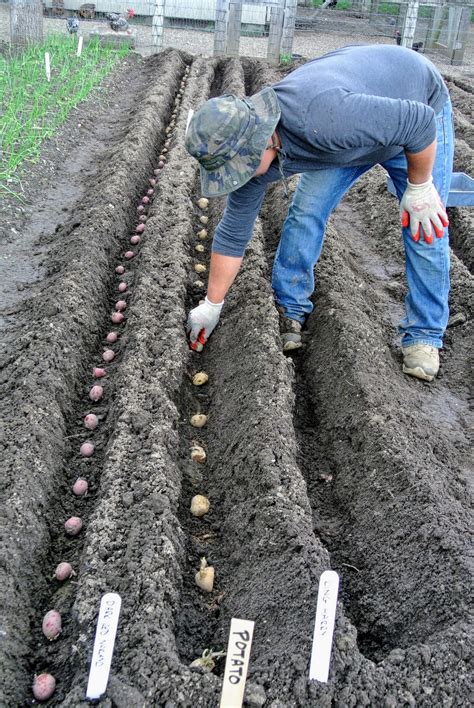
[[31, 108]]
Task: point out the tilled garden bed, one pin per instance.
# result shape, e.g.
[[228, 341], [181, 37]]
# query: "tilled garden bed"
[[331, 459]]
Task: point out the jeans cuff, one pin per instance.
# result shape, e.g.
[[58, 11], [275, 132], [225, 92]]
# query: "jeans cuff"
[[430, 342]]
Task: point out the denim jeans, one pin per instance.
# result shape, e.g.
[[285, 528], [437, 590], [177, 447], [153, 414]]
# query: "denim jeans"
[[427, 265]]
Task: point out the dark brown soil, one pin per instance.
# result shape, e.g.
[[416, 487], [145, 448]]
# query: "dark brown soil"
[[331, 459]]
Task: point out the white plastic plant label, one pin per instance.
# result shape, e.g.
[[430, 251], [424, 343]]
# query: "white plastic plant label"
[[79, 46], [188, 120], [47, 66], [104, 644], [237, 663], [324, 626]]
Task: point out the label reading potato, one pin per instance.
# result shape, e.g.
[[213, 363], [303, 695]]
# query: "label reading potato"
[[237, 663]]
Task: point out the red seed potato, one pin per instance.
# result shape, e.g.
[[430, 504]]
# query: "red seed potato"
[[96, 392], [73, 526], [86, 449], [140, 208], [156, 172], [140, 228], [52, 625], [152, 182], [143, 217], [150, 192], [129, 254], [117, 317], [135, 239], [80, 487], [112, 337], [98, 373], [63, 571], [161, 164], [122, 287], [108, 355], [120, 270], [145, 200], [91, 421], [120, 305], [43, 687]]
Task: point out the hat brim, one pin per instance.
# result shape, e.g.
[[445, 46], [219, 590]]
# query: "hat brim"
[[242, 167]]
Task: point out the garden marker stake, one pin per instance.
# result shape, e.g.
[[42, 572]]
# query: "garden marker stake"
[[324, 626], [79, 46], [47, 66], [237, 663], [103, 645], [188, 120]]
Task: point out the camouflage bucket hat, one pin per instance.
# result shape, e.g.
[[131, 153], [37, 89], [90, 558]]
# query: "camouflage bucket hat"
[[228, 136]]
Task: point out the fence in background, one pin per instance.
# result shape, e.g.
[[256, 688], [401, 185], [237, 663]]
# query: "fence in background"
[[268, 28]]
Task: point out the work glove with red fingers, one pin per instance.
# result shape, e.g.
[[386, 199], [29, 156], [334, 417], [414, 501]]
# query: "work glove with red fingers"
[[422, 208], [201, 323]]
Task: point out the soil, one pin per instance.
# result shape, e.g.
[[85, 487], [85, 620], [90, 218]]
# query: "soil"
[[328, 459]]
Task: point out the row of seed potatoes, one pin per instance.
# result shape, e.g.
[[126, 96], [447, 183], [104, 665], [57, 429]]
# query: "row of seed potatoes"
[[142, 560], [44, 684], [199, 503]]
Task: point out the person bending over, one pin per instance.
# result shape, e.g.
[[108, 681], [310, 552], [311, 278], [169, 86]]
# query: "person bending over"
[[330, 121]]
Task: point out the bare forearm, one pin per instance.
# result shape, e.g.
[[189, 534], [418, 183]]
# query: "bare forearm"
[[420, 164], [221, 276]]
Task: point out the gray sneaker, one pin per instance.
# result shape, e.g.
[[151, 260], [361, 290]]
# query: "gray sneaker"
[[290, 334], [421, 360]]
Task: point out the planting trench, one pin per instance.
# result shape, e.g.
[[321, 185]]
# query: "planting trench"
[[330, 459]]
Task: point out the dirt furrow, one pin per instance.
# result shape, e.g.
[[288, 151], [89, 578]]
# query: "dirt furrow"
[[389, 493], [45, 377]]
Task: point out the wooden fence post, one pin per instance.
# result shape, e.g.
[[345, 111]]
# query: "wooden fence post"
[[26, 22], [288, 27], [275, 32], [409, 27], [157, 23], [220, 29], [233, 33]]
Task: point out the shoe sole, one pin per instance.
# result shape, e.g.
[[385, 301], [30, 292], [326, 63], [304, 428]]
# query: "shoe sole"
[[418, 373]]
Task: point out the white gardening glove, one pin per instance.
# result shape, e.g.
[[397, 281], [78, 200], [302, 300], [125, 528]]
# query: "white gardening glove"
[[201, 322], [422, 208]]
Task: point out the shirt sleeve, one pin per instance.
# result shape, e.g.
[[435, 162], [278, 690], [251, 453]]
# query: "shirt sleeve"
[[341, 120], [234, 231]]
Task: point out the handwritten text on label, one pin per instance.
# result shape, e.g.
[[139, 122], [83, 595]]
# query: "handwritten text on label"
[[237, 663]]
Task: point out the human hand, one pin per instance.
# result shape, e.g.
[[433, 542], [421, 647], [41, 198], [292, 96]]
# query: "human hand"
[[201, 322], [422, 208]]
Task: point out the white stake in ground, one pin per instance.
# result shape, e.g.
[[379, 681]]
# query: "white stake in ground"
[[237, 663], [47, 66], [79, 46], [324, 626], [103, 645]]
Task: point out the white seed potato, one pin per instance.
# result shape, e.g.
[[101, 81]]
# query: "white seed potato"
[[199, 248], [203, 203], [199, 505], [200, 268], [206, 662], [200, 378], [198, 420], [198, 284], [202, 234], [205, 576], [204, 219], [198, 453]]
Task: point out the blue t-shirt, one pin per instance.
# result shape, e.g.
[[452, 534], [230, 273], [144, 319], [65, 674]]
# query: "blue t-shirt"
[[359, 105]]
